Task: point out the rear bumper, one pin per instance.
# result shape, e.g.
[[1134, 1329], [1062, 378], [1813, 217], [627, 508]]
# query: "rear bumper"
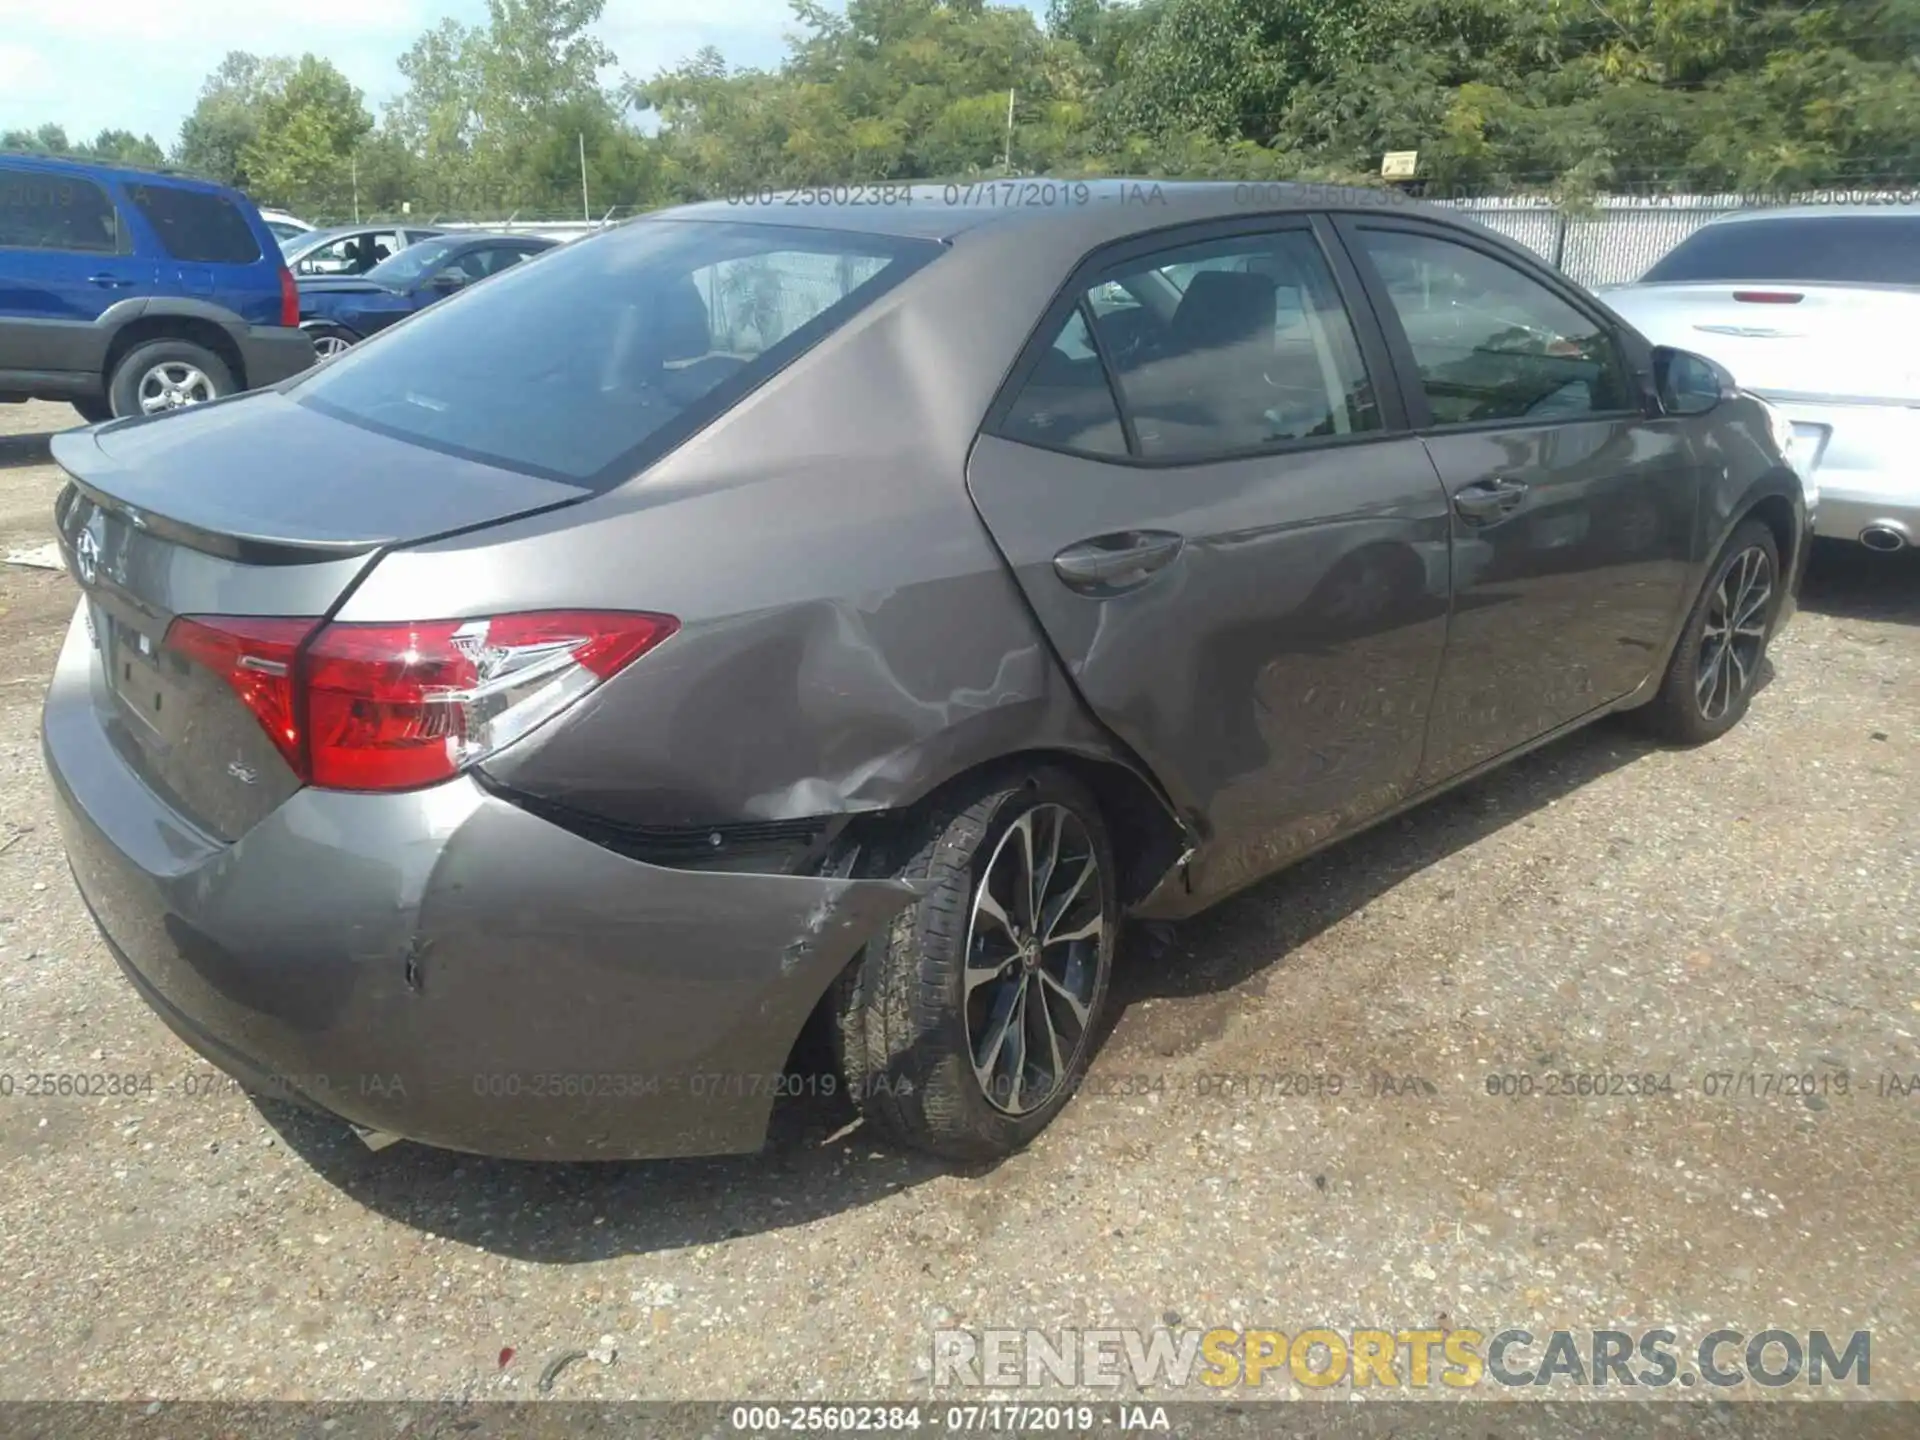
[[272, 353], [1850, 510], [444, 966], [1866, 470]]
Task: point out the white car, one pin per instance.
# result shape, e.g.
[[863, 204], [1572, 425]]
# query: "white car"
[[285, 227], [1813, 309]]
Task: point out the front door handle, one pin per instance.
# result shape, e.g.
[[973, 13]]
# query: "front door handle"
[[109, 282], [1485, 501], [1109, 564]]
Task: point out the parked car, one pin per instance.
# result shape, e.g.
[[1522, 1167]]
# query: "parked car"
[[128, 292], [285, 227], [511, 732], [350, 249], [1813, 309], [342, 311]]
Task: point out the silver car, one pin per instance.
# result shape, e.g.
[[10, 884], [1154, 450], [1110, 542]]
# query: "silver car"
[[508, 734], [1814, 310]]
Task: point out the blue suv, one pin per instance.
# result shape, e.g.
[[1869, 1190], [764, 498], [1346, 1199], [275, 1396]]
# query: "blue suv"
[[127, 292]]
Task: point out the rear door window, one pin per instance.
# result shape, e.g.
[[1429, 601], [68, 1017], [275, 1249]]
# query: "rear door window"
[[1811, 249], [195, 225], [621, 343], [1251, 348], [43, 211]]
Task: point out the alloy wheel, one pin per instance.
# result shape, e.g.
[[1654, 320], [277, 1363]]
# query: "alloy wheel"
[[327, 346], [1735, 634], [173, 384], [1036, 941]]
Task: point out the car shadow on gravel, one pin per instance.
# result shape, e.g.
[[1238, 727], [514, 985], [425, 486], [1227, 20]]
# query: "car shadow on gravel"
[[817, 1161], [1206, 959], [1851, 582]]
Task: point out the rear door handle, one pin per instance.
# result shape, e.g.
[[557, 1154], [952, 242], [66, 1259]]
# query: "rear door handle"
[[1485, 501], [1108, 564]]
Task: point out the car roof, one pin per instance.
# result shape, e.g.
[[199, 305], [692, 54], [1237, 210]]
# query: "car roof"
[[335, 232], [1820, 212], [1090, 211], [132, 174], [489, 237]]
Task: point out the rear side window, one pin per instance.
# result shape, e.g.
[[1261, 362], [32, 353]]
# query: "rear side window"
[[1066, 403], [195, 226], [620, 344], [40, 211], [1225, 348], [1835, 249]]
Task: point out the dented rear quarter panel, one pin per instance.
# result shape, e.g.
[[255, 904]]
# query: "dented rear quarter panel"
[[850, 636]]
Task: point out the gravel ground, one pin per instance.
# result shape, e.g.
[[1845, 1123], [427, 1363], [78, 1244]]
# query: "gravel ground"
[[1602, 905]]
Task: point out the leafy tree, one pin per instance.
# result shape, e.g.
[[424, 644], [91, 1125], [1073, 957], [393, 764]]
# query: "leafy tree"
[[499, 112], [308, 127], [126, 147], [1558, 96], [45, 140], [226, 119]]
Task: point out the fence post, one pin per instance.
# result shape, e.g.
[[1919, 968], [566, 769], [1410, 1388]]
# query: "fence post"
[[1559, 238]]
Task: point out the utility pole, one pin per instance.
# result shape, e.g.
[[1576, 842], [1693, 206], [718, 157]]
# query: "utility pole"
[[1006, 162], [585, 213], [356, 189]]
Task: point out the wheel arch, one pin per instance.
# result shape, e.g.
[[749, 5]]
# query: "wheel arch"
[[194, 329], [1148, 839]]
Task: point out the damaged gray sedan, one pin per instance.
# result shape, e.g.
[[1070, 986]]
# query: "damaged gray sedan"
[[510, 734]]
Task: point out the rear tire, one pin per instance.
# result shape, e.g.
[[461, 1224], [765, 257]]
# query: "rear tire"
[[1711, 677], [962, 1035], [164, 375], [330, 340]]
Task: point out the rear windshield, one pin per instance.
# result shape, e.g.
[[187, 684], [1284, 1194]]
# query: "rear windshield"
[[403, 268], [611, 348], [196, 226], [1837, 249]]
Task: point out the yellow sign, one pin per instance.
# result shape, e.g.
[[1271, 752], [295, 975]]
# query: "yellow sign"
[[1400, 165]]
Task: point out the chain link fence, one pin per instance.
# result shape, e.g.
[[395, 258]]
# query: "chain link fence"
[[1617, 238], [1609, 240]]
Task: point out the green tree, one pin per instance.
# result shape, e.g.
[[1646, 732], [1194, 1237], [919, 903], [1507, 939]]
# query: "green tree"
[[309, 125], [499, 112], [126, 147], [44, 140], [227, 116]]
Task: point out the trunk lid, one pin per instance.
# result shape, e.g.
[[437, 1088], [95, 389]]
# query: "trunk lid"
[[256, 506], [1788, 339]]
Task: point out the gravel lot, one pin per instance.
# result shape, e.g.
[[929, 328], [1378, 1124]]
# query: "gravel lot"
[[1601, 906]]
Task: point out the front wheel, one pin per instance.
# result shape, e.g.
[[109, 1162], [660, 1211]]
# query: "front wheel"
[[1716, 665], [967, 1026]]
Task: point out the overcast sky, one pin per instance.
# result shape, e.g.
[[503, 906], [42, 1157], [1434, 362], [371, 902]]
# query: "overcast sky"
[[138, 64]]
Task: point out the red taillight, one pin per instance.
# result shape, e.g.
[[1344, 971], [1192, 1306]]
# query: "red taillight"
[[1767, 297], [255, 655], [394, 707], [289, 299]]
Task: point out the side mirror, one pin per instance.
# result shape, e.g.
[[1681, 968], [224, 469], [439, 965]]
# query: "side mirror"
[[1690, 384], [447, 282]]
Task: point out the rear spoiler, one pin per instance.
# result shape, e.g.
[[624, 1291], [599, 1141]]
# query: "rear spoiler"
[[133, 496]]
